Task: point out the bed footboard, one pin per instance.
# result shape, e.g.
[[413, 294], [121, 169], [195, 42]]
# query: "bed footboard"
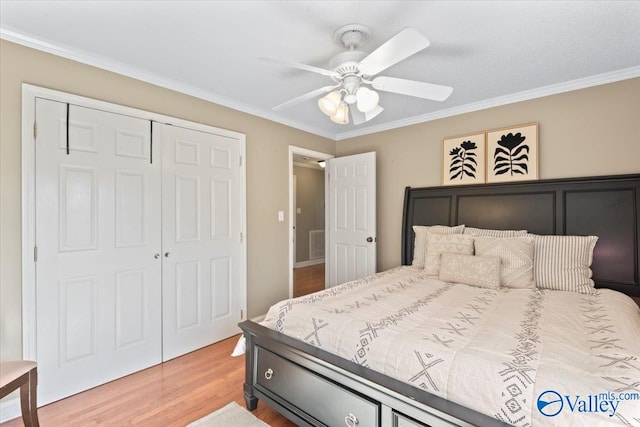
[[312, 387]]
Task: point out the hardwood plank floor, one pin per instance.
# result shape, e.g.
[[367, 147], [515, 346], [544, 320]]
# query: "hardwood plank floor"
[[174, 393], [307, 280]]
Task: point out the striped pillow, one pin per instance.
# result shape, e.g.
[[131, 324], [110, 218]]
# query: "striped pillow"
[[486, 232], [563, 263], [516, 254], [420, 241]]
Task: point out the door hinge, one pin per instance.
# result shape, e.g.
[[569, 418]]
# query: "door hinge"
[[35, 130], [241, 237], [240, 161], [241, 314], [35, 254]]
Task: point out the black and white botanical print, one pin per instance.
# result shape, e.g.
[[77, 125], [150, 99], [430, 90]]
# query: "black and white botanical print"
[[463, 161], [512, 155]]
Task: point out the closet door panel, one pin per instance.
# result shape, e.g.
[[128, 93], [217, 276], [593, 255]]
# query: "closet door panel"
[[98, 228], [201, 239]]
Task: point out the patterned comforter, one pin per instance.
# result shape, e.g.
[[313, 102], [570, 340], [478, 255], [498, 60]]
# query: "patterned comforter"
[[526, 357]]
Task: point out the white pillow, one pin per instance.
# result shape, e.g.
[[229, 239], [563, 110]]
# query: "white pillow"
[[482, 271], [516, 254], [444, 243], [486, 232], [564, 263], [420, 241]]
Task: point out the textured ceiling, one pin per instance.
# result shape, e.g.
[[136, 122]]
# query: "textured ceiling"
[[491, 53]]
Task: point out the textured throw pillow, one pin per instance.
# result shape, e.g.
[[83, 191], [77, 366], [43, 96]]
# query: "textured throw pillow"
[[420, 242], [564, 263], [482, 271], [444, 243], [485, 232], [516, 254]]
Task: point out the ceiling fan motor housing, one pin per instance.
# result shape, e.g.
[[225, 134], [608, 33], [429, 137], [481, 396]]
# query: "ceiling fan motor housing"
[[347, 62]]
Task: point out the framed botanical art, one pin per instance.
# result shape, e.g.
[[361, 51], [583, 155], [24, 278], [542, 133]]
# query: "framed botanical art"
[[512, 153], [463, 160]]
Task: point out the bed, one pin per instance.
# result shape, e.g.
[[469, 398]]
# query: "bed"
[[414, 350]]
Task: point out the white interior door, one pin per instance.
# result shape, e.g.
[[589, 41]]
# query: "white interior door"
[[351, 226], [97, 231], [201, 199]]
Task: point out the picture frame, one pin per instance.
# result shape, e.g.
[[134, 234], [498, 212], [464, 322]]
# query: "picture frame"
[[463, 159], [512, 153]]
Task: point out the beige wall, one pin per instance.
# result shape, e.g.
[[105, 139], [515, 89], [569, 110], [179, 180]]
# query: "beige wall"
[[310, 199], [589, 132], [267, 170]]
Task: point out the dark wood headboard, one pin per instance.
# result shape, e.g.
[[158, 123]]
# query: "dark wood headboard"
[[606, 207]]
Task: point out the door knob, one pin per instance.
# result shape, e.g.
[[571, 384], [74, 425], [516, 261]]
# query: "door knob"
[[369, 239], [166, 254], [156, 256]]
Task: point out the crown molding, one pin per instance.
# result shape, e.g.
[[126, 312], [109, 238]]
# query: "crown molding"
[[599, 79], [155, 79]]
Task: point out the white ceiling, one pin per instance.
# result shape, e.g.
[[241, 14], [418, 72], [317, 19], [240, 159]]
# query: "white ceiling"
[[492, 53]]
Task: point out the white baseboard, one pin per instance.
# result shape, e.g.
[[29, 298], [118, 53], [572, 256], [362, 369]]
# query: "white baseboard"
[[308, 263], [10, 409]]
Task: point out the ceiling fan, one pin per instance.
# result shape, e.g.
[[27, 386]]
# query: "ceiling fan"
[[353, 70]]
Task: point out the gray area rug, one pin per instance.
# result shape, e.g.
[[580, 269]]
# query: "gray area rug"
[[231, 415]]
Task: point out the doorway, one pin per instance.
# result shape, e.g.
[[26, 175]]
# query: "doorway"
[[307, 214]]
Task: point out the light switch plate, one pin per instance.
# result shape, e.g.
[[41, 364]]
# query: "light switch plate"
[[280, 216], [299, 210]]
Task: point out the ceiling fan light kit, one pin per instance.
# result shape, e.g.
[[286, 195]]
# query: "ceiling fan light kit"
[[367, 99], [353, 69], [329, 103], [342, 114]]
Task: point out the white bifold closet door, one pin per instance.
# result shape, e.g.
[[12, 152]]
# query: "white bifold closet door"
[[98, 284], [138, 244], [201, 239]]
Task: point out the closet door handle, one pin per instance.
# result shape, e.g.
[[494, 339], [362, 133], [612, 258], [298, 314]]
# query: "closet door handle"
[[156, 256], [166, 254]]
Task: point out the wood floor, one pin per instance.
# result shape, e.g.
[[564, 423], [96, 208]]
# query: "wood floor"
[[174, 393], [171, 394], [307, 280]]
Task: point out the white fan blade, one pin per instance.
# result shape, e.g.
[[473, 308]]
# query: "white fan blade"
[[358, 117], [302, 66], [401, 46], [304, 97], [412, 88]]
